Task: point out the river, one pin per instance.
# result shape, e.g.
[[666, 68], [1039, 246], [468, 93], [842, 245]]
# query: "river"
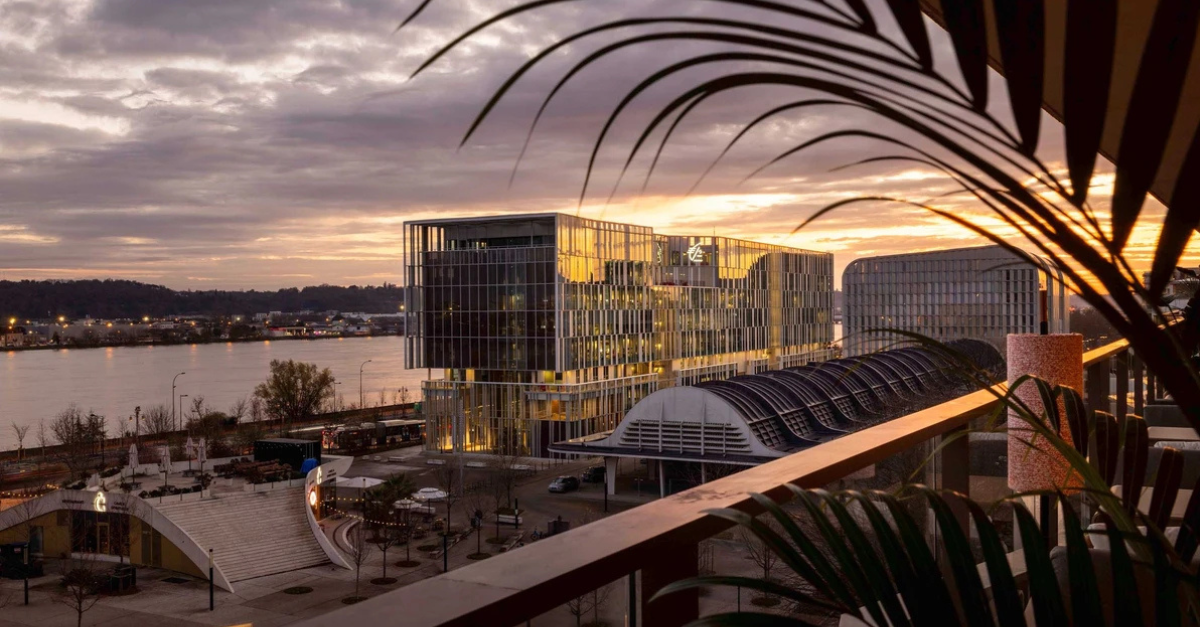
[[38, 384], [112, 381]]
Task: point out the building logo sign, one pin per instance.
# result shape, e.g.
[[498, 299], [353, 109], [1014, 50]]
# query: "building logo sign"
[[100, 504], [318, 475], [695, 253]]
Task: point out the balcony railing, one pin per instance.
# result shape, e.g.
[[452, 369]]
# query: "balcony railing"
[[657, 543]]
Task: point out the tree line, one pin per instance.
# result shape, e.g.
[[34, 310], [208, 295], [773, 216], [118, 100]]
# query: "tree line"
[[111, 298]]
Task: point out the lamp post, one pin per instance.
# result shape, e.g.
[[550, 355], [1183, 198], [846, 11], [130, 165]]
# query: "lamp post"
[[173, 424], [361, 405]]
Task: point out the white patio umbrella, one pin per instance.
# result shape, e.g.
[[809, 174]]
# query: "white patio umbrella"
[[164, 459], [202, 452], [133, 459]]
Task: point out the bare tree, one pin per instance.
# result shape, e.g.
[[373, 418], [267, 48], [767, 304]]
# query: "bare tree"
[[157, 420], [590, 603], [402, 396], [73, 432], [579, 607], [238, 409], [43, 438], [476, 499], [385, 537], [764, 557], [257, 410], [360, 548], [506, 473], [81, 586], [600, 600], [120, 526], [449, 480], [405, 531], [198, 410], [20, 431], [96, 433]]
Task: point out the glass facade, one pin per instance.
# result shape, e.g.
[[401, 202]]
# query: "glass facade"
[[551, 326], [981, 293]]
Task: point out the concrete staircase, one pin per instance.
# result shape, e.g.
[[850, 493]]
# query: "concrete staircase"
[[253, 534]]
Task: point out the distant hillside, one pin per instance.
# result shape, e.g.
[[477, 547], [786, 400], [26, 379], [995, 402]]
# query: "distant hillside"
[[130, 299]]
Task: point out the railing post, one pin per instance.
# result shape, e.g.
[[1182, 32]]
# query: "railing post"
[[1122, 363], [677, 561], [1139, 389], [631, 600], [1096, 387], [955, 465]]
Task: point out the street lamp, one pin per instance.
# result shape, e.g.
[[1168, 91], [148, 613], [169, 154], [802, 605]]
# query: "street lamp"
[[173, 422], [361, 405]]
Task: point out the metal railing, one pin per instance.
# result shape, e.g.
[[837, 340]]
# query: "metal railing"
[[654, 544]]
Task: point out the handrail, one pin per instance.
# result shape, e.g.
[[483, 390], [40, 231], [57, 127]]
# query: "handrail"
[[1108, 351], [530, 581], [542, 575]]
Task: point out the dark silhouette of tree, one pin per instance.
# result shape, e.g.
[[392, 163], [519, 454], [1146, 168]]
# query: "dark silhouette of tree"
[[157, 419], [20, 431], [360, 549], [75, 433], [294, 390], [131, 299]]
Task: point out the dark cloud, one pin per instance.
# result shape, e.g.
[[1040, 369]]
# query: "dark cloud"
[[241, 142]]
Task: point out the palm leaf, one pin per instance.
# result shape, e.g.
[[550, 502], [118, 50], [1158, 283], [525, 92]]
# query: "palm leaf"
[[1091, 41], [1085, 593], [848, 565], [1152, 108], [922, 595], [1048, 607], [1180, 223], [1005, 595], [814, 568], [1021, 28], [1129, 610], [964, 20], [877, 577], [908, 15], [969, 588]]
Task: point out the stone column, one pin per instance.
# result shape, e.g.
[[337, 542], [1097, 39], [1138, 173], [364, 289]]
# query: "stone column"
[[1057, 359]]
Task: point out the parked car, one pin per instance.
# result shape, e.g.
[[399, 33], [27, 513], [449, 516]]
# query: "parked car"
[[595, 474], [564, 484]]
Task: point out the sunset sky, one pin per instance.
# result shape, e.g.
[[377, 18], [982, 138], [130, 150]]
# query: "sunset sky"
[[272, 143]]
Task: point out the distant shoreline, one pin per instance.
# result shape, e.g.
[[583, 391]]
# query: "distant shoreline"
[[22, 349]]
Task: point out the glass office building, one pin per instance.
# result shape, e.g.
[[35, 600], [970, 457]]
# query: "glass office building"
[[981, 293], [549, 327]]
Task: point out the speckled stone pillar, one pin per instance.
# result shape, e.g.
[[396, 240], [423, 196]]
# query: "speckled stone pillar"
[[1057, 359]]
